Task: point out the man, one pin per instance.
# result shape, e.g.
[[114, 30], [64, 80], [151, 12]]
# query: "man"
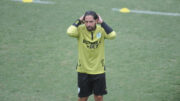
[[90, 31]]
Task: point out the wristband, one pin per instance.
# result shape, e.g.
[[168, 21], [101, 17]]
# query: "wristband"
[[106, 27], [77, 23]]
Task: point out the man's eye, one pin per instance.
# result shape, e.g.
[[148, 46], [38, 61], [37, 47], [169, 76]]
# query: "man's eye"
[[88, 21]]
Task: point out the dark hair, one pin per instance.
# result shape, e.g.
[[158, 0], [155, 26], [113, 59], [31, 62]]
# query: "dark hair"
[[92, 13]]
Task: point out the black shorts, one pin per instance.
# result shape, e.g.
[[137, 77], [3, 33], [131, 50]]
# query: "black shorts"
[[88, 84]]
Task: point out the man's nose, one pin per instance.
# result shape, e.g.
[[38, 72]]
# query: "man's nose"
[[88, 24]]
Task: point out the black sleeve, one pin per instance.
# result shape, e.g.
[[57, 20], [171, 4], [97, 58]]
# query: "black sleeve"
[[77, 23], [106, 28]]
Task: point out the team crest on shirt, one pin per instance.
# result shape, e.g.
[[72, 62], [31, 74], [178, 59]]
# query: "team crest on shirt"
[[98, 35]]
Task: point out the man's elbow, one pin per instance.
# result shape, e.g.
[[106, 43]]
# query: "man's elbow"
[[112, 35], [71, 31]]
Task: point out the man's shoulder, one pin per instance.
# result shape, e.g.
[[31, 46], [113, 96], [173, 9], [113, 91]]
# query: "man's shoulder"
[[99, 27], [82, 26]]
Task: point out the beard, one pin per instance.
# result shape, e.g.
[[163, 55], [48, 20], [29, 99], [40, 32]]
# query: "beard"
[[90, 28]]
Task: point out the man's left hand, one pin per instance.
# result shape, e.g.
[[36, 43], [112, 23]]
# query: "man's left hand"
[[100, 21]]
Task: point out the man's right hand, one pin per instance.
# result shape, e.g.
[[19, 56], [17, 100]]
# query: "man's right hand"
[[81, 18]]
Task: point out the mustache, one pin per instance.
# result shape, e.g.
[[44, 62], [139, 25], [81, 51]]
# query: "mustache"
[[89, 27]]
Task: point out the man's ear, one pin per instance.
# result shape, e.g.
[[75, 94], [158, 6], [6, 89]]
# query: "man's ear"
[[97, 20]]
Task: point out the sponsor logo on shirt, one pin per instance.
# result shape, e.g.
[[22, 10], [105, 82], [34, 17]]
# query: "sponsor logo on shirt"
[[91, 45]]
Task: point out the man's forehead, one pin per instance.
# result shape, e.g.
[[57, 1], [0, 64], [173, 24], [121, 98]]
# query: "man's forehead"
[[89, 17]]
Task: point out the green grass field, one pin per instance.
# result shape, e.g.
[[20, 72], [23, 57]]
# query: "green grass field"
[[38, 58]]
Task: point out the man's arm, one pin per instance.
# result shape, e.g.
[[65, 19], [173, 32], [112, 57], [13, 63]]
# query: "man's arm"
[[110, 34], [72, 30]]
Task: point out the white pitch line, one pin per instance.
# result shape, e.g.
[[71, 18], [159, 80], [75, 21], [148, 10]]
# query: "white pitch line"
[[147, 12], [157, 13], [38, 1]]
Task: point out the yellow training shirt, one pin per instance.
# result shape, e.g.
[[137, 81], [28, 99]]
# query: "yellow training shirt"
[[91, 57]]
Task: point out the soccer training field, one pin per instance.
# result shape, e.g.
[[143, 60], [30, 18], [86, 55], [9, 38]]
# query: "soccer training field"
[[38, 59]]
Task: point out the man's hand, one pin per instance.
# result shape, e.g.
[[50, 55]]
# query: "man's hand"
[[81, 18], [100, 20]]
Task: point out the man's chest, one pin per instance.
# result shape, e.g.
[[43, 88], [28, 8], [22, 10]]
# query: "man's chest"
[[91, 40]]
